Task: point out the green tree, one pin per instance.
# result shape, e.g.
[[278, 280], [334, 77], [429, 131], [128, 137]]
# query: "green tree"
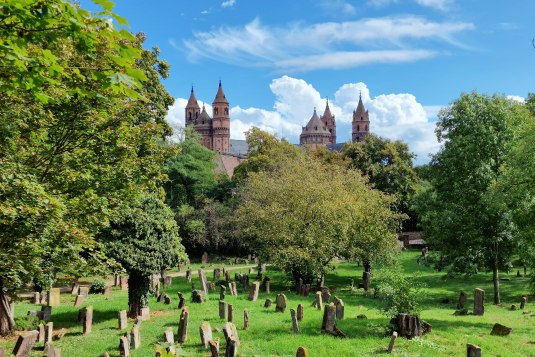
[[459, 212], [303, 213], [144, 240]]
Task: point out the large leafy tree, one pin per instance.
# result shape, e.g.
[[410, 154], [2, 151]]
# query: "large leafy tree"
[[302, 213], [460, 214], [143, 239]]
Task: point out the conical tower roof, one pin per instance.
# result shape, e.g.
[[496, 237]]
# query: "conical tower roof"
[[327, 112], [204, 115], [360, 106], [315, 125], [192, 101], [220, 96]]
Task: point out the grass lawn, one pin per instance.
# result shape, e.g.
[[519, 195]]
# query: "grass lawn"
[[270, 333]]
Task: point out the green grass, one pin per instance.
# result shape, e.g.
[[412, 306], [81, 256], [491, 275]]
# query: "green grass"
[[270, 333]]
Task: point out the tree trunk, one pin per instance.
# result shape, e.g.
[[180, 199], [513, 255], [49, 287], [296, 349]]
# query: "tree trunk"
[[7, 321], [496, 281], [138, 292], [367, 267]]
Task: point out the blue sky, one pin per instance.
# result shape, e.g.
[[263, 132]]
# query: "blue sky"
[[279, 59]]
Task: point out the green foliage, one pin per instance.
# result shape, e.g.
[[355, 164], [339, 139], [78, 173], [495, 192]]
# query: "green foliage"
[[98, 287], [400, 294], [26, 323]]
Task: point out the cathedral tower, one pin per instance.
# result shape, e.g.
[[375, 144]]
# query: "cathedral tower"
[[192, 109], [221, 122], [330, 122], [361, 122]]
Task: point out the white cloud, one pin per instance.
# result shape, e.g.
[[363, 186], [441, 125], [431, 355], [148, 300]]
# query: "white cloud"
[[442, 5], [228, 3], [338, 7], [394, 116], [300, 47], [381, 3], [517, 98]]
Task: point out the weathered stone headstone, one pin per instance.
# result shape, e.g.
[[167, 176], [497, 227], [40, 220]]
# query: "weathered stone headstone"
[[268, 303], [169, 336], [36, 297], [230, 331], [135, 337], [281, 303], [227, 275], [300, 312], [339, 305], [181, 300], [217, 274], [166, 299], [204, 258], [253, 294], [329, 317], [116, 280], [326, 294], [25, 344], [523, 301], [301, 352], [299, 286], [245, 319], [222, 309], [168, 281], [183, 326], [42, 332], [204, 283], [206, 334], [231, 348], [266, 283], [188, 275], [79, 300], [87, 320], [74, 289], [295, 325], [479, 302], [44, 297], [53, 297], [214, 347], [461, 305], [230, 315], [145, 313], [500, 330], [47, 313], [51, 351], [123, 320], [222, 292], [197, 296], [233, 288], [318, 303], [49, 332], [84, 290], [392, 342], [124, 346], [473, 350], [124, 282]]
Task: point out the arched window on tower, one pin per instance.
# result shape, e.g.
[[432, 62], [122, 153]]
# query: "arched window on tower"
[[216, 110], [189, 113], [226, 111], [358, 127]]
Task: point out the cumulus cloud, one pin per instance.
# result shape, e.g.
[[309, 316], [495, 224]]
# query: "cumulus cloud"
[[394, 116], [442, 5], [300, 47], [517, 98], [339, 7], [228, 3]]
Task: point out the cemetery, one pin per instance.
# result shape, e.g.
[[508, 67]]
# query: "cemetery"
[[348, 323]]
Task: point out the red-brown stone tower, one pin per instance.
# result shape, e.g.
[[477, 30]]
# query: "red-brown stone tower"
[[330, 122], [221, 122], [361, 122]]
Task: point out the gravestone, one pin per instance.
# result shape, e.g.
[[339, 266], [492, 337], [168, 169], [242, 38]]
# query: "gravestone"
[[217, 274], [169, 336], [214, 347], [300, 312], [501, 330], [196, 296], [87, 320], [204, 258], [301, 352], [41, 336], [211, 286], [124, 346], [79, 300], [53, 297], [339, 305], [49, 332], [181, 300], [318, 303], [523, 301], [145, 313], [206, 334], [123, 320], [231, 348], [295, 325], [51, 351], [74, 289], [204, 283], [188, 275], [230, 314], [253, 294], [36, 297], [329, 316], [307, 290], [25, 344], [124, 282], [84, 290], [222, 291], [268, 303], [227, 275], [222, 309], [47, 313], [479, 302], [281, 303], [166, 299], [135, 337], [116, 280], [245, 319], [326, 294], [392, 342], [473, 350], [168, 281], [266, 284], [461, 305], [183, 326], [44, 297], [229, 330]]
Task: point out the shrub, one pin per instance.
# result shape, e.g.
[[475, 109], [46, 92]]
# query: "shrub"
[[26, 323], [399, 294], [98, 287]]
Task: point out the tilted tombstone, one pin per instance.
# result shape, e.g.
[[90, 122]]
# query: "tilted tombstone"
[[329, 318], [84, 290], [124, 346], [181, 300], [233, 289], [253, 294], [25, 344], [301, 352], [295, 325], [300, 312], [135, 337], [281, 303], [245, 319], [222, 291], [230, 331], [87, 320], [123, 320], [206, 334], [230, 315], [231, 347], [214, 347], [79, 300], [53, 297], [222, 309], [392, 342], [326, 294], [183, 326], [74, 289], [51, 351], [479, 302], [461, 305], [49, 332], [339, 304], [318, 303], [473, 350], [204, 283]]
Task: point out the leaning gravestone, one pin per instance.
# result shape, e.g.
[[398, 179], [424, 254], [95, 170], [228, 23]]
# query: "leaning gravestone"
[[79, 300], [124, 346], [329, 316], [183, 326], [206, 334], [181, 300], [245, 319], [523, 301], [253, 294], [231, 348], [473, 350], [339, 305], [123, 320], [461, 305], [295, 325], [318, 302], [230, 315], [49, 331], [479, 302], [222, 309], [281, 303], [135, 337], [53, 297], [230, 331], [25, 344], [325, 294], [300, 312], [233, 288], [392, 342], [204, 283], [214, 347], [301, 352], [501, 330]]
